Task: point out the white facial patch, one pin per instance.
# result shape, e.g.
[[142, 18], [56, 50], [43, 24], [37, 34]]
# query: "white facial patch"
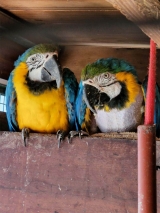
[[113, 90], [106, 83], [35, 64]]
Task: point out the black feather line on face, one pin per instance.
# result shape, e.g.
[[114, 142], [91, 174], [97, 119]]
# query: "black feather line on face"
[[95, 98], [121, 99], [38, 88]]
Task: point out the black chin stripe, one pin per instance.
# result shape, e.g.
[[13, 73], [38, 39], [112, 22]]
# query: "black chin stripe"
[[38, 88], [120, 100]]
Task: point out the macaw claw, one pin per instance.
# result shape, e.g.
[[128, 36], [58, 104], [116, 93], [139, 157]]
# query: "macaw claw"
[[60, 137], [25, 135], [83, 133], [75, 133]]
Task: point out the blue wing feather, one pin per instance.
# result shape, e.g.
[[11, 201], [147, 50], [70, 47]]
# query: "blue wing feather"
[[71, 86], [157, 105], [80, 106], [11, 101]]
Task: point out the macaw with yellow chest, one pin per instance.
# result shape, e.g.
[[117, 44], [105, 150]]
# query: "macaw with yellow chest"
[[40, 96], [110, 98]]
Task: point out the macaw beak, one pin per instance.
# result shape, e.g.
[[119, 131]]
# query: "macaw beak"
[[94, 98], [51, 71], [90, 94]]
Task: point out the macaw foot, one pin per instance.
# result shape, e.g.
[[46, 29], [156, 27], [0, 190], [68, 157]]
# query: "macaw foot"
[[75, 133], [60, 136], [25, 135]]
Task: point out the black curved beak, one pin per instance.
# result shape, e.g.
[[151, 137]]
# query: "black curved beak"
[[94, 98]]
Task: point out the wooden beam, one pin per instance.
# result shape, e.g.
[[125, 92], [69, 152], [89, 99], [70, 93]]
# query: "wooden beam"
[[50, 4], [9, 52], [77, 57], [146, 14], [19, 31], [75, 26], [10, 27]]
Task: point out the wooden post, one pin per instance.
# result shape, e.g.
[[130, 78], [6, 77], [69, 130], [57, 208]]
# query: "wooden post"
[[147, 201]]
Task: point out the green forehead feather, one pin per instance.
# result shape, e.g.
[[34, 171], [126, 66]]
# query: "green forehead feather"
[[40, 48], [112, 65]]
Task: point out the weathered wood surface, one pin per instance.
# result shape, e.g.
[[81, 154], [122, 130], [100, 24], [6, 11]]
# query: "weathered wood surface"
[[9, 53], [146, 14], [77, 57], [89, 175], [50, 4], [73, 23]]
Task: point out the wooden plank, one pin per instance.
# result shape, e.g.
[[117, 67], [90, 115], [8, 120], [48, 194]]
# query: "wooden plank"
[[89, 26], [9, 53], [20, 32], [77, 57], [10, 27], [18, 4], [146, 14], [89, 175]]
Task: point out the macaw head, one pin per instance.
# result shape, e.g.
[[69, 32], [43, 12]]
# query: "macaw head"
[[42, 63], [101, 83]]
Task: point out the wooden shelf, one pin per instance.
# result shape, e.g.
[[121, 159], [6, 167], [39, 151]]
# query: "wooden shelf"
[[89, 175]]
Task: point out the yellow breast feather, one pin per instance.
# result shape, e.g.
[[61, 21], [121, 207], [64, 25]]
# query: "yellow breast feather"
[[133, 87], [46, 113]]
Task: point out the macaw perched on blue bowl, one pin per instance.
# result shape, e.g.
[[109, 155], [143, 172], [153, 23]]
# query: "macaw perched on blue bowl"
[[111, 99], [40, 96]]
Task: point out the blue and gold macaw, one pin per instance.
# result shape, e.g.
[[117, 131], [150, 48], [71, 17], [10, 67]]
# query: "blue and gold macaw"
[[111, 99], [40, 96]]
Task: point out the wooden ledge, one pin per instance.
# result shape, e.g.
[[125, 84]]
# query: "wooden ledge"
[[95, 174]]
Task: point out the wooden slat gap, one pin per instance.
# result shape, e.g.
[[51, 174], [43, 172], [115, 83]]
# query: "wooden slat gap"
[[75, 9]]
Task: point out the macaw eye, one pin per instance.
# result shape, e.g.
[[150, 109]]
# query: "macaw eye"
[[90, 81], [106, 75], [33, 59]]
